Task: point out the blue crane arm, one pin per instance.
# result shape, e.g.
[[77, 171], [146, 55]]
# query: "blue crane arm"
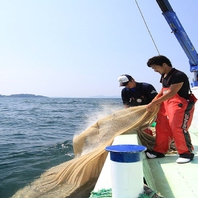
[[181, 36]]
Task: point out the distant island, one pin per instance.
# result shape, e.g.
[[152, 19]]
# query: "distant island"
[[40, 96], [24, 96]]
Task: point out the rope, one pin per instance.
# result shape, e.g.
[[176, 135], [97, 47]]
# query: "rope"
[[147, 27]]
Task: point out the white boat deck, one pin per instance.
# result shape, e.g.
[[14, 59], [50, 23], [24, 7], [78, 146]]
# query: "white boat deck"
[[162, 175], [173, 180]]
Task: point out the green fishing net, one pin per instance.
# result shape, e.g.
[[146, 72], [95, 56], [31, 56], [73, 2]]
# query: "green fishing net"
[[107, 193]]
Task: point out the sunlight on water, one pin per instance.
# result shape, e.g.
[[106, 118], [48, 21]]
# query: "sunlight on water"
[[102, 112]]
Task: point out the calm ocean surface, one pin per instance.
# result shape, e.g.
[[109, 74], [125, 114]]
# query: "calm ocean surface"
[[36, 134]]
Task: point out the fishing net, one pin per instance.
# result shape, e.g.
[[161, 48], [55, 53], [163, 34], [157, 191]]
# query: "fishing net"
[[107, 193], [89, 148]]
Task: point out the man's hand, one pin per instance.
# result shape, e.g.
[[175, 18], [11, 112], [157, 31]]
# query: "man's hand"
[[151, 106]]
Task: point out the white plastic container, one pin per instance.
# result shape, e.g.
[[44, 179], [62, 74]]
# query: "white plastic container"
[[126, 170]]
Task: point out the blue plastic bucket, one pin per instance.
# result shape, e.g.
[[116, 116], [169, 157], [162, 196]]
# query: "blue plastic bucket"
[[126, 153]]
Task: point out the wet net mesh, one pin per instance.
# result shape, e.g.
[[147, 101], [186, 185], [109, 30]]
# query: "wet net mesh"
[[89, 148]]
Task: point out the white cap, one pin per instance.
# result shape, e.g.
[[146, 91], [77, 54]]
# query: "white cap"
[[124, 79]]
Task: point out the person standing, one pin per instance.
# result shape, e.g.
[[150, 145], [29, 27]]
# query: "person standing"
[[135, 93], [175, 113]]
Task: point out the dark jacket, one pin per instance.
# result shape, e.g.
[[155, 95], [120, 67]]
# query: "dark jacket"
[[142, 94]]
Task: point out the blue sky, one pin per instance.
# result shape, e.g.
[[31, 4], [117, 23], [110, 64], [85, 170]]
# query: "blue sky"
[[78, 48]]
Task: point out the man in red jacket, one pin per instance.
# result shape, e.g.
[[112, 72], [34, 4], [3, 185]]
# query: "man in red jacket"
[[176, 111]]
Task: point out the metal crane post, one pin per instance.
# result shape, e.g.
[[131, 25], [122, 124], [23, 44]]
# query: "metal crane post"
[[181, 36]]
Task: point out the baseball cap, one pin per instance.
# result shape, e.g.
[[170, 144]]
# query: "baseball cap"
[[124, 79]]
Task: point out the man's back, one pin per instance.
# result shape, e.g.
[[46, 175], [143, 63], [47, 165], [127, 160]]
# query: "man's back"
[[141, 94]]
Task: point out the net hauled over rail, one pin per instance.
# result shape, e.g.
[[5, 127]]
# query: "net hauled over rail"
[[89, 149]]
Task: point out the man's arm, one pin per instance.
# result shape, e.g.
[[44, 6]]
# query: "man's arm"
[[126, 106], [125, 99], [161, 97], [158, 95]]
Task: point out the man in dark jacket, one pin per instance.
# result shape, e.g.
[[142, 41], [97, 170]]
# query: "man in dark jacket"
[[135, 93]]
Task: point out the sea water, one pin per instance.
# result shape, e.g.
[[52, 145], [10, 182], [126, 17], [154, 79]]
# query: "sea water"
[[36, 134]]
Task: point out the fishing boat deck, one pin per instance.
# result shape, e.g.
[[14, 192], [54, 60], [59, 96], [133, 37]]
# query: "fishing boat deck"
[[162, 175], [173, 180]]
